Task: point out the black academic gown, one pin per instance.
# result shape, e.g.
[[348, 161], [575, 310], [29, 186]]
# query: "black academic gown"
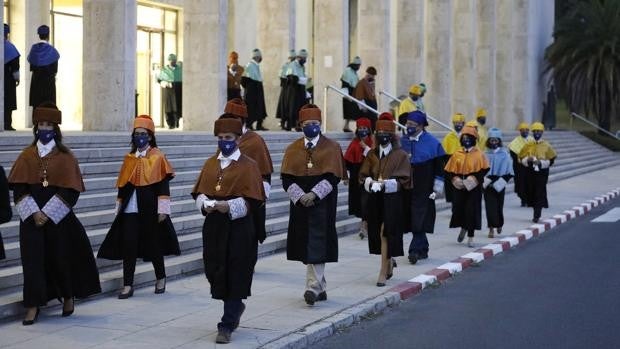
[[254, 99], [57, 259], [519, 171], [10, 87], [43, 84], [422, 213], [356, 197], [312, 236], [282, 100], [494, 203], [5, 206], [155, 239], [350, 110], [536, 186], [296, 98], [467, 205]]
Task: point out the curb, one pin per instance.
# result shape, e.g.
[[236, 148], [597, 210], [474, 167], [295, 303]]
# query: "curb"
[[318, 330]]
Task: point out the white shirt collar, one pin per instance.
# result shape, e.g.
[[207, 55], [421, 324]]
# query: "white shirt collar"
[[468, 150], [384, 151], [314, 141], [234, 156], [416, 137], [142, 153], [243, 129], [45, 149]]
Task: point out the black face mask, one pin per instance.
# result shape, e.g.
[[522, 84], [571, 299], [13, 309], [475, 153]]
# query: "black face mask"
[[362, 133], [302, 61], [414, 97], [371, 79], [467, 142], [482, 121], [458, 128], [355, 67], [384, 139]]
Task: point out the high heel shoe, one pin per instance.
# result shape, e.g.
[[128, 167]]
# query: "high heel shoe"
[[126, 295], [160, 290], [394, 265], [31, 322], [66, 313]]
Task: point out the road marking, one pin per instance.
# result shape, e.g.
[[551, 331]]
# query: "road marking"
[[612, 215]]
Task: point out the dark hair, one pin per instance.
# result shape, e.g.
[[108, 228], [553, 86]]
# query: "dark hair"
[[44, 36], [488, 143], [58, 137], [371, 70], [152, 142]]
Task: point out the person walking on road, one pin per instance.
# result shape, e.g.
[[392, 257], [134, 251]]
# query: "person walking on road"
[[495, 181]]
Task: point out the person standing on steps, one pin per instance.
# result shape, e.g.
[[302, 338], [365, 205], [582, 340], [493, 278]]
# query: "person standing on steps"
[[11, 79], [296, 89], [252, 81], [519, 170], [349, 80], [281, 111], [6, 213], [481, 120], [142, 227], [537, 157], [365, 92], [228, 192], [43, 59], [171, 80], [233, 76], [311, 169], [466, 170], [426, 156], [56, 255], [494, 184], [451, 143], [385, 174], [354, 156]]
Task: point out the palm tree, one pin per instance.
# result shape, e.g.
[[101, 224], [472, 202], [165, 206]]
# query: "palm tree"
[[584, 59]]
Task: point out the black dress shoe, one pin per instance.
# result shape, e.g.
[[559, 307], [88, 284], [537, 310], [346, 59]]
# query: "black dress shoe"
[[346, 129], [413, 258], [31, 322], [461, 236], [380, 284], [322, 296], [66, 313], [160, 290], [309, 297], [423, 255], [9, 129], [223, 336], [126, 295]]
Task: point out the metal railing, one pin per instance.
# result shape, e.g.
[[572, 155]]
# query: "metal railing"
[[396, 99], [575, 115], [352, 99]]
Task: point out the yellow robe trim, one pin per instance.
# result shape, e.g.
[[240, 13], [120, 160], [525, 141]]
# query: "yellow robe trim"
[[406, 106], [481, 142], [451, 142], [517, 144], [465, 163], [541, 150]]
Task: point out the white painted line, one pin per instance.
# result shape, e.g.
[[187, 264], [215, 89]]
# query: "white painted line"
[[452, 267], [580, 209], [541, 227], [475, 256], [513, 241], [424, 279], [610, 216], [571, 213], [527, 233], [494, 247], [552, 222], [561, 217]]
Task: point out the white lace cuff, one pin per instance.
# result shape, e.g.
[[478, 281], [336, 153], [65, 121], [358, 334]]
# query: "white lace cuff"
[[56, 209], [237, 208], [525, 162], [200, 199], [267, 188], [26, 207], [438, 186], [367, 184], [545, 163], [163, 205], [366, 151], [322, 189], [390, 185], [295, 193]]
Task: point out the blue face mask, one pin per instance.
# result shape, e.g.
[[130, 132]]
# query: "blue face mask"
[[140, 141], [362, 133], [227, 147], [411, 130], [537, 135], [312, 130], [45, 136], [524, 134], [384, 139], [467, 142]]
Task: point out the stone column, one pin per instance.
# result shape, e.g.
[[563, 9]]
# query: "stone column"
[[2, 78], [464, 62], [204, 85], [505, 54], [409, 48], [275, 28], [109, 63], [438, 70], [330, 19], [485, 59]]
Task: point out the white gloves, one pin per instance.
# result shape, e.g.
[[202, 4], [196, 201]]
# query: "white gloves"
[[545, 163], [499, 184], [308, 95], [375, 187], [390, 185], [371, 186], [486, 182], [267, 188], [438, 187], [432, 196], [303, 80], [117, 207]]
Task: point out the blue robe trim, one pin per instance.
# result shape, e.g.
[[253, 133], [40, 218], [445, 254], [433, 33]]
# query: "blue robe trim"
[[10, 52], [42, 54]]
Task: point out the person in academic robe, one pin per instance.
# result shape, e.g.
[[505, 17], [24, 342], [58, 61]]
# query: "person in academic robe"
[[481, 120], [311, 169], [228, 192], [354, 156], [365, 92], [409, 104], [281, 110], [385, 174], [233, 76], [466, 170], [296, 89], [142, 227], [537, 156], [349, 80], [252, 81], [56, 255], [419, 103], [426, 158], [495, 181], [519, 170], [451, 143], [11, 79], [171, 80], [253, 145], [6, 213], [43, 59]]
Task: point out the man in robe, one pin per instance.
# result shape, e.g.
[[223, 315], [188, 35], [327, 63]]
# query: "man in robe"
[[409, 104], [426, 156], [451, 143], [11, 79], [537, 156], [43, 59], [252, 81], [170, 78], [365, 92], [419, 103], [311, 169], [228, 192], [481, 120], [349, 80], [296, 89], [519, 170], [281, 111], [233, 76], [253, 146]]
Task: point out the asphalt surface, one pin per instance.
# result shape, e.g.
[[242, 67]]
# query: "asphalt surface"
[[561, 290]]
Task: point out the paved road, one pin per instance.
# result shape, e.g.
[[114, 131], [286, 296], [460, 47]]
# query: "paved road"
[[561, 290]]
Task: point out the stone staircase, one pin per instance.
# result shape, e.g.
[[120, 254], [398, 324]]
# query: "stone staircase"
[[100, 156]]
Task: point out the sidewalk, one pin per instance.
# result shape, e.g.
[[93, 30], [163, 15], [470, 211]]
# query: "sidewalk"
[[186, 316]]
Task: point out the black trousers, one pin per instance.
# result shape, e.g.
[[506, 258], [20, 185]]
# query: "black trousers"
[[8, 118], [232, 310], [131, 232], [494, 206]]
